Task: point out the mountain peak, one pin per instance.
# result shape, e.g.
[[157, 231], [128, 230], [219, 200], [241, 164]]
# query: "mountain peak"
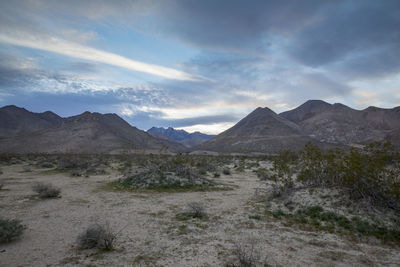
[[306, 110], [180, 136]]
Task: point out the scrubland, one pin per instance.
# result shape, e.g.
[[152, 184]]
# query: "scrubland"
[[309, 208]]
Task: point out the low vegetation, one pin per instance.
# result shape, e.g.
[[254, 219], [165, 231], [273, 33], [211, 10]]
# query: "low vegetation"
[[371, 175], [46, 190], [197, 210], [97, 236], [319, 219], [10, 230]]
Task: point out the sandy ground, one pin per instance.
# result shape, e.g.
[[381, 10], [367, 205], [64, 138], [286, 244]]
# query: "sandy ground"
[[151, 234]]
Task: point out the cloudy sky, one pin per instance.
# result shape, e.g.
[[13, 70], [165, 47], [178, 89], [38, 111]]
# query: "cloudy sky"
[[197, 65]]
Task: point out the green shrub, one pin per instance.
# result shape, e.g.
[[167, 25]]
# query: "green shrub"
[[10, 230], [371, 174]]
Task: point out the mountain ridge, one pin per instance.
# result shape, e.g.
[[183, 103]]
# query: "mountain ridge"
[[180, 136], [84, 133]]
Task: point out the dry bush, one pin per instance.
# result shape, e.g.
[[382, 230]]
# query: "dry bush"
[[197, 210], [46, 190], [2, 183], [226, 171], [246, 255], [97, 236]]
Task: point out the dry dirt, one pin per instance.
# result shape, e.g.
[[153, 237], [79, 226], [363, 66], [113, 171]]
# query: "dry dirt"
[[151, 235]]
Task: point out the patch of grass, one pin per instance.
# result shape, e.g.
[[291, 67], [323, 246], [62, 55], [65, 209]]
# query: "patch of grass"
[[277, 214], [255, 217], [316, 217]]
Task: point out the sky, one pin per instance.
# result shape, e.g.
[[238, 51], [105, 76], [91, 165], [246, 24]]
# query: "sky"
[[197, 65]]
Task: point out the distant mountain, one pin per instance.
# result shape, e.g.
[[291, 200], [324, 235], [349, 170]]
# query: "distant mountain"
[[180, 136], [84, 133], [341, 124], [261, 131]]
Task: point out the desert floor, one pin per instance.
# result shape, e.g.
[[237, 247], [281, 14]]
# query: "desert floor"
[[150, 234]]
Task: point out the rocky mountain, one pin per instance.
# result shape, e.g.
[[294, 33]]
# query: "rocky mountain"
[[340, 124], [180, 136], [261, 131], [18, 121], [84, 133]]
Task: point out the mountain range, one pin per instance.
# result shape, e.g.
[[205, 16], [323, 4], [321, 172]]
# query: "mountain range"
[[262, 131], [22, 131], [315, 121], [180, 136]]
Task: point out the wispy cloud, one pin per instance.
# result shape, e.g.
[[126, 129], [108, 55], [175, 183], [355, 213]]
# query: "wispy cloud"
[[75, 50]]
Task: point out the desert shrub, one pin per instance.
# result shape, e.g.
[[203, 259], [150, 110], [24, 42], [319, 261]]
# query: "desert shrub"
[[75, 173], [10, 230], [246, 255], [196, 210], [157, 177], [72, 162], [284, 166], [319, 167], [2, 183], [97, 236], [217, 175], [281, 191], [46, 190], [226, 171], [46, 165], [371, 174], [262, 174]]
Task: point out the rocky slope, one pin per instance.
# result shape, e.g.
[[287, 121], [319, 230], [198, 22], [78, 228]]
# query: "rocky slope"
[[18, 121], [340, 124], [84, 133], [261, 131]]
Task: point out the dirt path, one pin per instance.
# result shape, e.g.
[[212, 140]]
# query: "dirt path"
[[151, 233]]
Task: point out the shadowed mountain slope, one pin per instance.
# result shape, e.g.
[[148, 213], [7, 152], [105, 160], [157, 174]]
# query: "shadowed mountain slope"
[[341, 124], [180, 136], [85, 133], [18, 121], [261, 131]]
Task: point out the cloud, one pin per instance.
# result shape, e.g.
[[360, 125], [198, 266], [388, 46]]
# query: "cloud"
[[353, 33], [204, 120], [75, 50]]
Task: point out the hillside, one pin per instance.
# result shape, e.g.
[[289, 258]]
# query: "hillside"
[[340, 124], [84, 133], [261, 131]]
